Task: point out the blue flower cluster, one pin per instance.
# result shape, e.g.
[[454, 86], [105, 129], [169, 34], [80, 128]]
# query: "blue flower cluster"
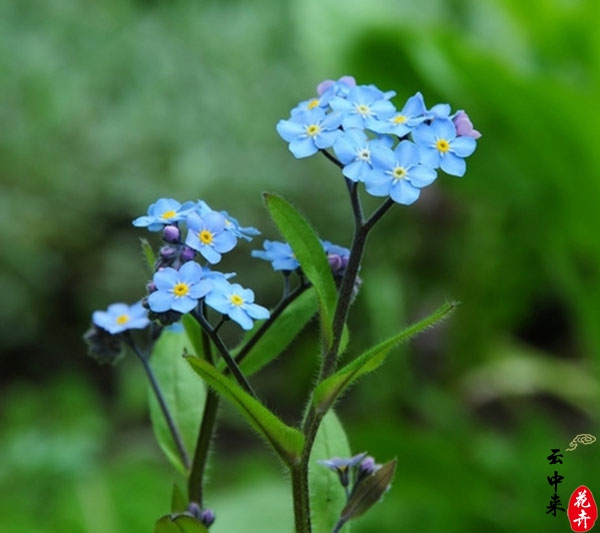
[[393, 152], [180, 282], [281, 256]]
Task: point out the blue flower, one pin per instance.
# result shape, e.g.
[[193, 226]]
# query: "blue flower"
[[343, 467], [178, 290], [402, 122], [232, 225], [440, 147], [363, 106], [399, 173], [207, 234], [353, 149], [310, 131], [237, 303], [280, 254], [120, 317], [164, 211]]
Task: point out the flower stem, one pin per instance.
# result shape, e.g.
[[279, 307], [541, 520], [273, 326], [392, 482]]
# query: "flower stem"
[[224, 352], [207, 427], [161, 401], [264, 327]]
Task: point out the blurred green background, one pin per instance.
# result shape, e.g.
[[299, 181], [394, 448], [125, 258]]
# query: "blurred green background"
[[107, 106]]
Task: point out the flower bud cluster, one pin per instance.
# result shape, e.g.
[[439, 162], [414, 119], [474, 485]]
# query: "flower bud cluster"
[[393, 152]]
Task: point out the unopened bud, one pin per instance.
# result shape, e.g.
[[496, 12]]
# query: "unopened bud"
[[187, 254], [171, 233]]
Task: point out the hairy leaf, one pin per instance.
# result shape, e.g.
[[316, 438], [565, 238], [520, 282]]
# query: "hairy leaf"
[[285, 440], [328, 390]]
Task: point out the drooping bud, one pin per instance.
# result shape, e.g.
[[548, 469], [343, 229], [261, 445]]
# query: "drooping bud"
[[207, 517]]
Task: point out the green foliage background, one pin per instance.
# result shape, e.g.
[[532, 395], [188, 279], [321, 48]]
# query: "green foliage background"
[[106, 106]]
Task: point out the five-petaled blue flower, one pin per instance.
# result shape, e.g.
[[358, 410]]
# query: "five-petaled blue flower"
[[310, 131], [164, 211], [363, 106], [179, 290], [402, 122], [120, 317], [353, 149], [280, 254], [208, 235], [237, 303], [440, 147], [399, 173]]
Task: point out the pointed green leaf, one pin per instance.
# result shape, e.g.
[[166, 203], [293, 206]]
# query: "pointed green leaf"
[[184, 394], [194, 333], [328, 390], [179, 501], [280, 334], [368, 492], [179, 524], [148, 254], [327, 495], [286, 440], [309, 252]]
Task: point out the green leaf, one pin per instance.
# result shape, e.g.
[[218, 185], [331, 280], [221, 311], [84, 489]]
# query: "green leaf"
[[179, 524], [179, 502], [184, 394], [194, 333], [309, 252], [285, 440], [368, 492], [280, 334], [148, 254], [327, 496], [328, 390]]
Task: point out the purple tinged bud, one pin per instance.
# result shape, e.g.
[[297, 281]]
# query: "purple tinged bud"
[[207, 517], [464, 126], [187, 254], [195, 510], [335, 262], [171, 234], [167, 252], [367, 467]]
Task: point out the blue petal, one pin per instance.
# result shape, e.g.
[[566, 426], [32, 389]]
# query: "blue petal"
[[257, 311], [404, 193], [289, 130], [453, 165], [210, 254], [160, 301], [184, 304], [421, 176], [463, 146], [238, 315], [165, 279], [303, 147], [379, 187]]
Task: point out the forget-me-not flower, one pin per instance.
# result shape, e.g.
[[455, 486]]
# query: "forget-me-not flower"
[[208, 235], [164, 211], [399, 173], [440, 147], [178, 290], [353, 149], [279, 254], [362, 107], [402, 122], [310, 131], [120, 317], [237, 303]]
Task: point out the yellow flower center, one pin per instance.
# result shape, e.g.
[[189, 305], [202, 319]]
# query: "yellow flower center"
[[313, 103], [205, 236], [363, 109], [168, 214], [313, 130], [399, 173], [181, 289], [399, 119], [236, 299], [122, 319], [442, 145]]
